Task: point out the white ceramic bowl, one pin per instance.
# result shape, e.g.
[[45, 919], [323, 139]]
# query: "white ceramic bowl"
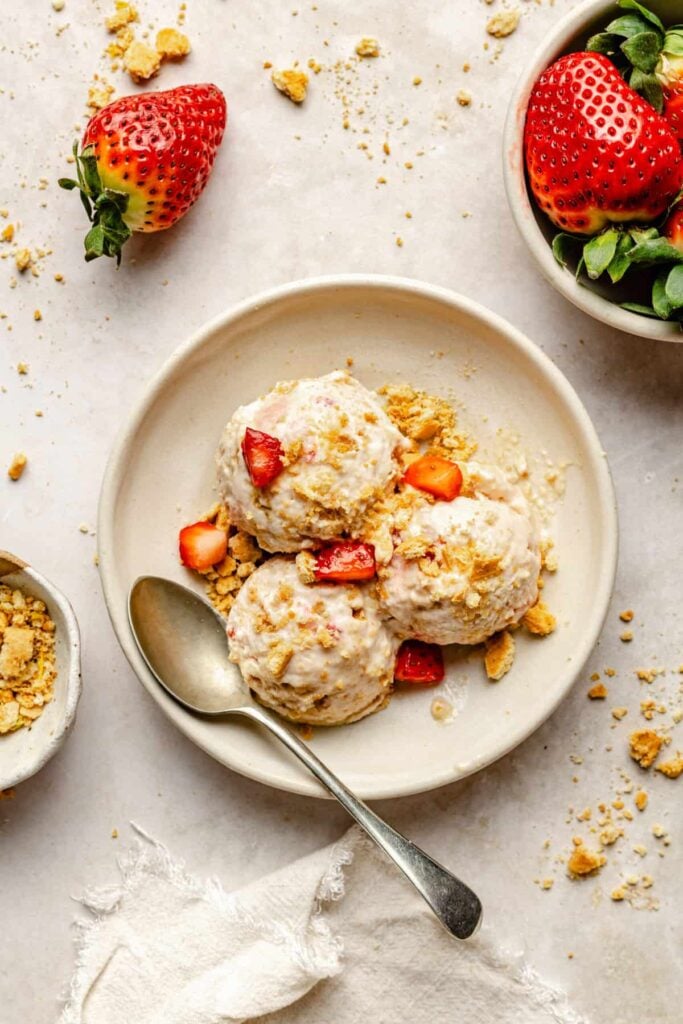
[[26, 751], [161, 476], [595, 298]]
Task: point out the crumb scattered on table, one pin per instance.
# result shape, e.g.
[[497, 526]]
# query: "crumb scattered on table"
[[17, 466], [367, 47], [293, 84], [504, 23]]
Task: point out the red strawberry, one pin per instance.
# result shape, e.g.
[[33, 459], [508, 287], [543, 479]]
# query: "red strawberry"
[[436, 476], [419, 663], [202, 545], [673, 229], [145, 160], [263, 456], [595, 151], [673, 112], [347, 561]]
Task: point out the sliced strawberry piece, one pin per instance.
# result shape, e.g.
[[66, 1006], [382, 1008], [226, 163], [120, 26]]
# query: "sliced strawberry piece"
[[202, 545], [263, 455], [347, 561], [436, 476], [419, 663]]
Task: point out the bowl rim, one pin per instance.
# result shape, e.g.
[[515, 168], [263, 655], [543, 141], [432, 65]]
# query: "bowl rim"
[[519, 200], [116, 467], [74, 685]]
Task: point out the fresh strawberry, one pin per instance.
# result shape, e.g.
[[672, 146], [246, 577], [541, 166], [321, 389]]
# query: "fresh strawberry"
[[145, 160], [669, 72], [202, 545], [673, 229], [346, 561], [263, 456], [596, 152], [436, 476], [419, 663]]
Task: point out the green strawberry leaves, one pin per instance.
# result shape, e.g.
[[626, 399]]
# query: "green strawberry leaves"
[[105, 207], [615, 251], [633, 5], [635, 43]]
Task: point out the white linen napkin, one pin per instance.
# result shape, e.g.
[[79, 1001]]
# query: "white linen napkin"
[[336, 938]]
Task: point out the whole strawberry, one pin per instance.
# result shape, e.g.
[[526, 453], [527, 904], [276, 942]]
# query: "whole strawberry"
[[596, 152], [145, 160]]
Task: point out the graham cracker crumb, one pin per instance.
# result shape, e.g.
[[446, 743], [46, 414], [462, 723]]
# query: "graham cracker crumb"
[[626, 636], [17, 466], [648, 675], [99, 95], [640, 799], [27, 658], [619, 713], [141, 61], [673, 768], [172, 44], [123, 15], [583, 861], [504, 23], [598, 692], [626, 616], [225, 579], [367, 47], [464, 98], [499, 655], [539, 620], [645, 745], [293, 84]]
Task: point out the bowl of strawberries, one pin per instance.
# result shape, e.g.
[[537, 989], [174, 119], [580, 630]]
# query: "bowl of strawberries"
[[594, 163]]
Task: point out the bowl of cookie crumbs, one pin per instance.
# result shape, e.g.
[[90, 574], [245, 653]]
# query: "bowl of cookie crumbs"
[[40, 670]]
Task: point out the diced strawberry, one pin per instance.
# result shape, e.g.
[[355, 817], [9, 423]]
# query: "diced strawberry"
[[202, 545], [347, 561], [419, 663], [436, 476], [263, 455]]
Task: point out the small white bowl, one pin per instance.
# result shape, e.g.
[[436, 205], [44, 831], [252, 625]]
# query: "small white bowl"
[[24, 752], [593, 297]]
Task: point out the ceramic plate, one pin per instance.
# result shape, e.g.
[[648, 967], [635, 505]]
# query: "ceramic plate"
[[161, 476]]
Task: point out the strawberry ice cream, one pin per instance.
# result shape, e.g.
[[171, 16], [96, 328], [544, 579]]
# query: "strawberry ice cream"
[[463, 569], [317, 652], [329, 452]]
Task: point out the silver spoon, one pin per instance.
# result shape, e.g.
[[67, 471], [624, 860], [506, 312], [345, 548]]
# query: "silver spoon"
[[184, 644]]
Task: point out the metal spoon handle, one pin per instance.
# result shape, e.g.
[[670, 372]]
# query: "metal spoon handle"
[[454, 903]]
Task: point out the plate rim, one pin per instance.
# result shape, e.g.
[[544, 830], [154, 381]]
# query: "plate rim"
[[114, 472]]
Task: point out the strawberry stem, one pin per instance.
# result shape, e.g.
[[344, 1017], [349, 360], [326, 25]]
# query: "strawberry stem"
[[105, 207]]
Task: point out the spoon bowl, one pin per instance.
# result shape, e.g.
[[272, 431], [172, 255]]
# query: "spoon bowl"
[[184, 643]]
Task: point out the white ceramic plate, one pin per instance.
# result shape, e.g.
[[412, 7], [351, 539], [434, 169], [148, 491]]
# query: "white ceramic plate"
[[161, 476]]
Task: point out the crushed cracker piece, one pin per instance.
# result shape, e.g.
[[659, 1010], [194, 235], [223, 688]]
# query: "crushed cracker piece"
[[123, 15], [626, 616], [22, 259], [597, 692], [141, 61], [367, 47], [645, 745], [673, 768], [539, 620], [293, 84], [8, 233], [499, 655], [17, 466], [171, 44], [504, 23], [626, 636], [640, 799], [99, 95], [27, 658], [619, 713], [584, 862], [464, 98]]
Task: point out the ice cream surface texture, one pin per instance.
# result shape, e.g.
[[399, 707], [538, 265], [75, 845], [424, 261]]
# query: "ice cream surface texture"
[[340, 453], [316, 653], [462, 569]]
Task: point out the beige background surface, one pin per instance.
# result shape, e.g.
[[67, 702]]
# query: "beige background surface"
[[293, 195]]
